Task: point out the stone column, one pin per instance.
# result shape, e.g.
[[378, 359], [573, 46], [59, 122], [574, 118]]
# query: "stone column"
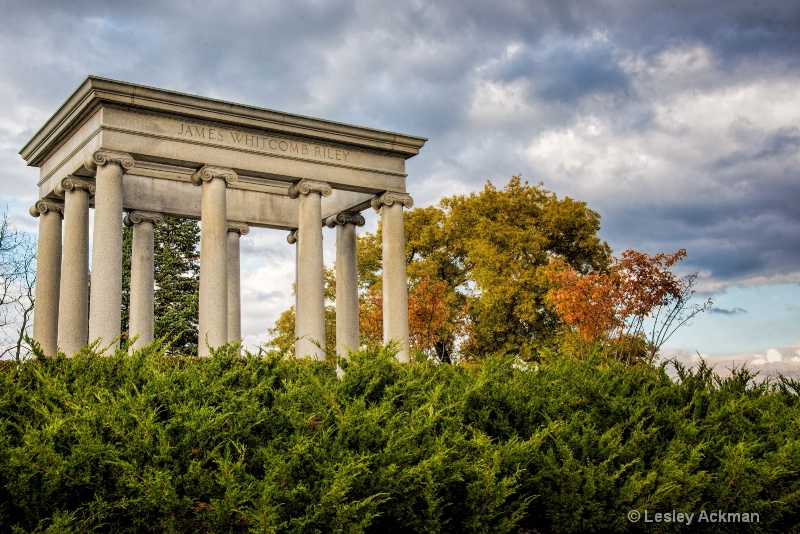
[[141, 316], [292, 240], [347, 330], [213, 321], [48, 274], [310, 308], [106, 298], [235, 231], [395, 288], [73, 302]]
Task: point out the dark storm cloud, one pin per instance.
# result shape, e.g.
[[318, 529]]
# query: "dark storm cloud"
[[566, 72], [735, 29], [726, 311], [781, 143], [484, 81], [751, 224], [238, 49], [728, 241]]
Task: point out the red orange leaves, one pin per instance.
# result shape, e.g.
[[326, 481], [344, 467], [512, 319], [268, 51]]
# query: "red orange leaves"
[[615, 305]]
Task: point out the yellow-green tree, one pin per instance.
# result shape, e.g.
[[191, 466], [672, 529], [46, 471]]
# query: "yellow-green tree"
[[477, 270], [492, 249], [282, 332]]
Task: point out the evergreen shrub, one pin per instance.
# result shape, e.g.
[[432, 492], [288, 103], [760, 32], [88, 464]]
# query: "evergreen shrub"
[[264, 443]]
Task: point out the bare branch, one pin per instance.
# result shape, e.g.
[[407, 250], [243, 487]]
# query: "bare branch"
[[17, 286]]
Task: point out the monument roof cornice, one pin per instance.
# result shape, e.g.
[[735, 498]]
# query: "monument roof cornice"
[[96, 91]]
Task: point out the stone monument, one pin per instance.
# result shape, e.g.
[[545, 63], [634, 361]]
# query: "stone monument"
[[145, 153]]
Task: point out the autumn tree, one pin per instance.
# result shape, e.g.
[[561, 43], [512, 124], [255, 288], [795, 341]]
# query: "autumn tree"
[[490, 251], [434, 319], [17, 285], [283, 331], [370, 316], [629, 310], [435, 306], [432, 322], [477, 271]]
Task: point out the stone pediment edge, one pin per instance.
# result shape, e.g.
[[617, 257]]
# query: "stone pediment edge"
[[66, 118], [95, 91]]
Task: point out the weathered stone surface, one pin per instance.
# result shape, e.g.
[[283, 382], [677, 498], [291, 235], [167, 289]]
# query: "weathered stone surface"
[[73, 307], [189, 131], [143, 150], [106, 299], [235, 231], [142, 299], [310, 307], [45, 327], [213, 320], [347, 328], [395, 289]]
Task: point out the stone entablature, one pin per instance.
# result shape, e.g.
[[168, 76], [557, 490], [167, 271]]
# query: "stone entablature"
[[174, 134], [120, 147]]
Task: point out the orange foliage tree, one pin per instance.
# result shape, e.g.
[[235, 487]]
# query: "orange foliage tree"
[[370, 316], [430, 317], [632, 308], [484, 258]]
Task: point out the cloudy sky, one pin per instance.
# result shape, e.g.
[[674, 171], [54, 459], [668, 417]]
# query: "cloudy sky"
[[677, 120]]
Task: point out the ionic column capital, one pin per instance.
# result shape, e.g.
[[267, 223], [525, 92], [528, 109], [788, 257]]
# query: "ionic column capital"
[[109, 157], [238, 227], [345, 217], [46, 205], [72, 183], [304, 187], [136, 217], [292, 237], [390, 197], [206, 173]]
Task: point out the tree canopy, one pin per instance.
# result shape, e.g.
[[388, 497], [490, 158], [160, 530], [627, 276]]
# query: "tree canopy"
[[491, 249], [477, 269], [177, 281]]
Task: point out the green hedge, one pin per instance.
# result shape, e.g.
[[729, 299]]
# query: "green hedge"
[[151, 443]]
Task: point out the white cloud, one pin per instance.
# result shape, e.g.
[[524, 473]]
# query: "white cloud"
[[268, 272], [668, 159], [708, 285], [784, 360], [679, 125], [771, 356], [496, 103]]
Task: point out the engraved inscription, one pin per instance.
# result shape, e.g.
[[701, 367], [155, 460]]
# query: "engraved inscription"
[[201, 132], [271, 144]]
